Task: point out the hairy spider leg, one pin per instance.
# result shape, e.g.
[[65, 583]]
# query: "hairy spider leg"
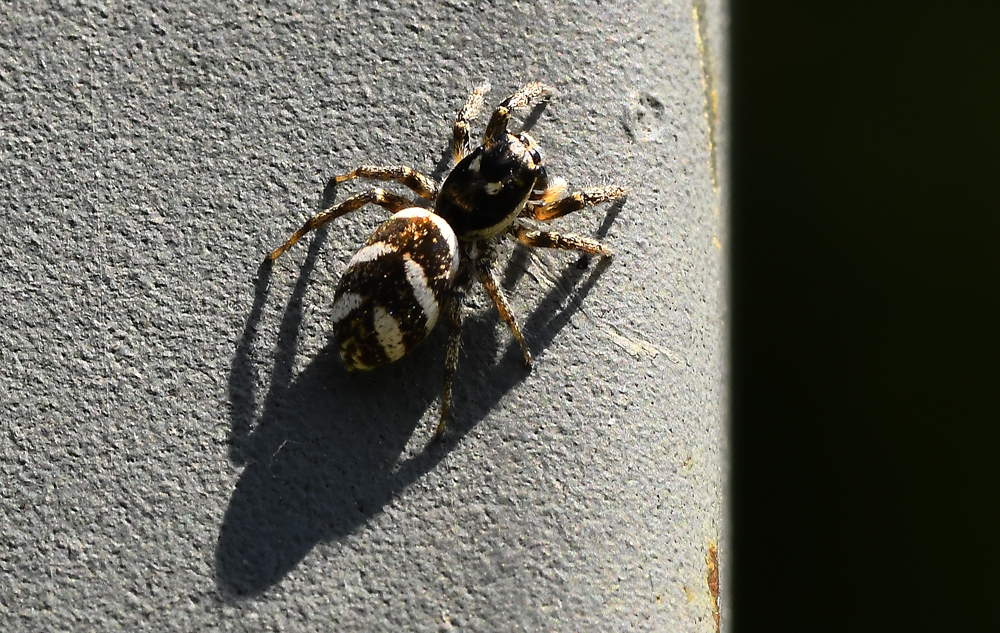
[[547, 210], [562, 241], [456, 314], [519, 100], [547, 205], [461, 144], [417, 182], [487, 269], [389, 201]]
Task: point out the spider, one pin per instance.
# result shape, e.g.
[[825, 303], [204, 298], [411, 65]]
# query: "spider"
[[421, 262]]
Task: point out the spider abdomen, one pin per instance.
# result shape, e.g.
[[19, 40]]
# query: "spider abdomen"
[[393, 291]]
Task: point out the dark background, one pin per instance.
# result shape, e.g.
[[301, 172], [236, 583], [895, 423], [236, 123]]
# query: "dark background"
[[864, 297]]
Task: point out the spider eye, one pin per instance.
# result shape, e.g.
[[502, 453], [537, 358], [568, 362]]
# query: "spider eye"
[[535, 156]]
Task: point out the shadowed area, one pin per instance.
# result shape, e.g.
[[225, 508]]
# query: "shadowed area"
[[325, 455]]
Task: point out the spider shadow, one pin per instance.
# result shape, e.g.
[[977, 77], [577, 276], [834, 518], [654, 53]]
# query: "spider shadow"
[[327, 451], [320, 451]]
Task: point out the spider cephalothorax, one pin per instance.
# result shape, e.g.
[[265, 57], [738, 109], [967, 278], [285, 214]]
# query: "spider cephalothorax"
[[420, 263], [489, 188]]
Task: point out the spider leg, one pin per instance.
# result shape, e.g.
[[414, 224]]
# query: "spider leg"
[[486, 267], [501, 115], [545, 192], [384, 199], [461, 145], [419, 183], [456, 313], [549, 209], [562, 241]]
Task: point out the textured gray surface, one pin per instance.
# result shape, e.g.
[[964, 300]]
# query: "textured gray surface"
[[181, 448]]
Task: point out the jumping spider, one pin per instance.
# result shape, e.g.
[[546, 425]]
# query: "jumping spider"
[[419, 262]]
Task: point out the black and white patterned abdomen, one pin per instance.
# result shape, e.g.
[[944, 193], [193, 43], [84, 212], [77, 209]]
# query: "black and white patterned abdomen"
[[394, 289]]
